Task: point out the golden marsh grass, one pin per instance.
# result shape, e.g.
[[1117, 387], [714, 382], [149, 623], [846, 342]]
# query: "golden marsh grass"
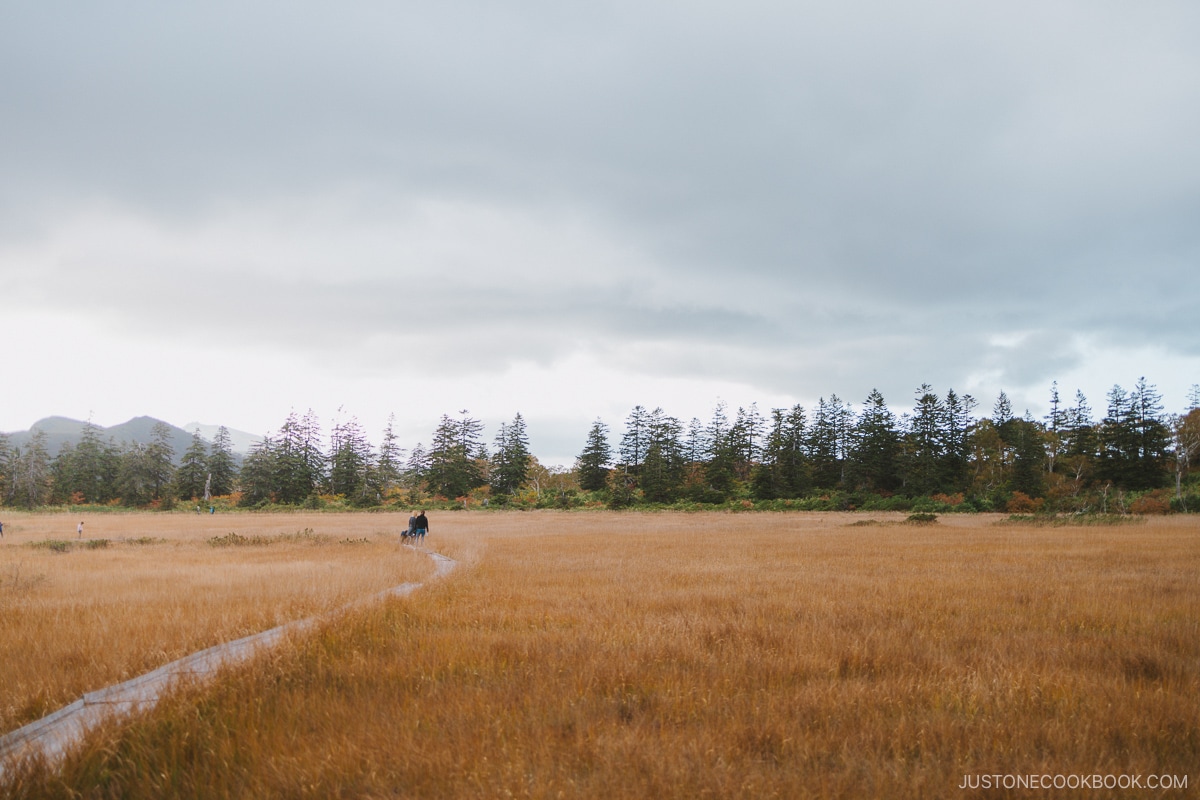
[[89, 617], [705, 655]]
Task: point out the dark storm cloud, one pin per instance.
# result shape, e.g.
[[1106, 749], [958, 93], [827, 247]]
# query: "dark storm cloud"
[[841, 195]]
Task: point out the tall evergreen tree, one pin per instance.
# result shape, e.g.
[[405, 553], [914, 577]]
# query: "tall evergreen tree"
[[663, 467], [636, 440], [62, 475], [874, 461], [416, 469], [1134, 438], [925, 445], [351, 463], [511, 462], [258, 479], [720, 468], [160, 461], [5, 468], [299, 464], [1027, 442], [825, 443], [192, 475], [391, 458], [222, 466], [453, 467], [138, 478], [783, 471], [594, 461], [955, 470], [29, 474]]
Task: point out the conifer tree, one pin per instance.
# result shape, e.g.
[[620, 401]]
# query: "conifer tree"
[[192, 474], [222, 467], [874, 461], [160, 461], [925, 443], [391, 457], [663, 467], [824, 443], [593, 463], [719, 471], [956, 441], [636, 440], [258, 479], [351, 463], [511, 462], [454, 457], [29, 474]]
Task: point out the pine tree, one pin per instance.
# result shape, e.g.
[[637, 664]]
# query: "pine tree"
[[5, 468], [258, 479], [874, 461], [192, 474], [160, 462], [62, 475], [416, 469], [391, 457], [956, 441], [138, 476], [719, 471], [1056, 423], [29, 475], [663, 467], [1027, 440], [1134, 438], [351, 463], [511, 462], [925, 445], [593, 463], [298, 461], [825, 442], [222, 466], [636, 440], [453, 459]]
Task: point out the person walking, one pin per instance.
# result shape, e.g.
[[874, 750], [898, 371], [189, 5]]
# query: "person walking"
[[79, 530], [421, 526], [1, 530]]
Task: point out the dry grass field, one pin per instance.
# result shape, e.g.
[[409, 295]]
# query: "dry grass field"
[[681, 656], [140, 590]]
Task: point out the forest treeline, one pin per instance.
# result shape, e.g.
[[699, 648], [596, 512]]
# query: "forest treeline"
[[938, 455]]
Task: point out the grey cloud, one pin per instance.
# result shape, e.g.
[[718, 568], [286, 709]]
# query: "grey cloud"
[[844, 191]]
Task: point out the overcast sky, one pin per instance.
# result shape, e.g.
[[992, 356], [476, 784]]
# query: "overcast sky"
[[221, 212]]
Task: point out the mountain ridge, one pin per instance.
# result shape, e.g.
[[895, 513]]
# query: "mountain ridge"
[[62, 430]]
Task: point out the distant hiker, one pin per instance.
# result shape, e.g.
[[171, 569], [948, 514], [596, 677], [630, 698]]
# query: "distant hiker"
[[411, 530], [79, 530], [212, 509], [421, 526], [1, 530]]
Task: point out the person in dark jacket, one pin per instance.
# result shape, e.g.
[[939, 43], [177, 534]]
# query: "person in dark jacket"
[[421, 526]]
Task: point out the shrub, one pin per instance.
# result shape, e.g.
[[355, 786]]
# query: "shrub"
[[1156, 502], [921, 518], [1021, 503]]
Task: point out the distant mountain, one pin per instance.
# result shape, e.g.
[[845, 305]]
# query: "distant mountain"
[[61, 430], [240, 440]]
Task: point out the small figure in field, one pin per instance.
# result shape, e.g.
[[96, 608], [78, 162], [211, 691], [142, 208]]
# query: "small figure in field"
[[407, 533], [421, 526], [1, 530], [212, 509], [79, 530]]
